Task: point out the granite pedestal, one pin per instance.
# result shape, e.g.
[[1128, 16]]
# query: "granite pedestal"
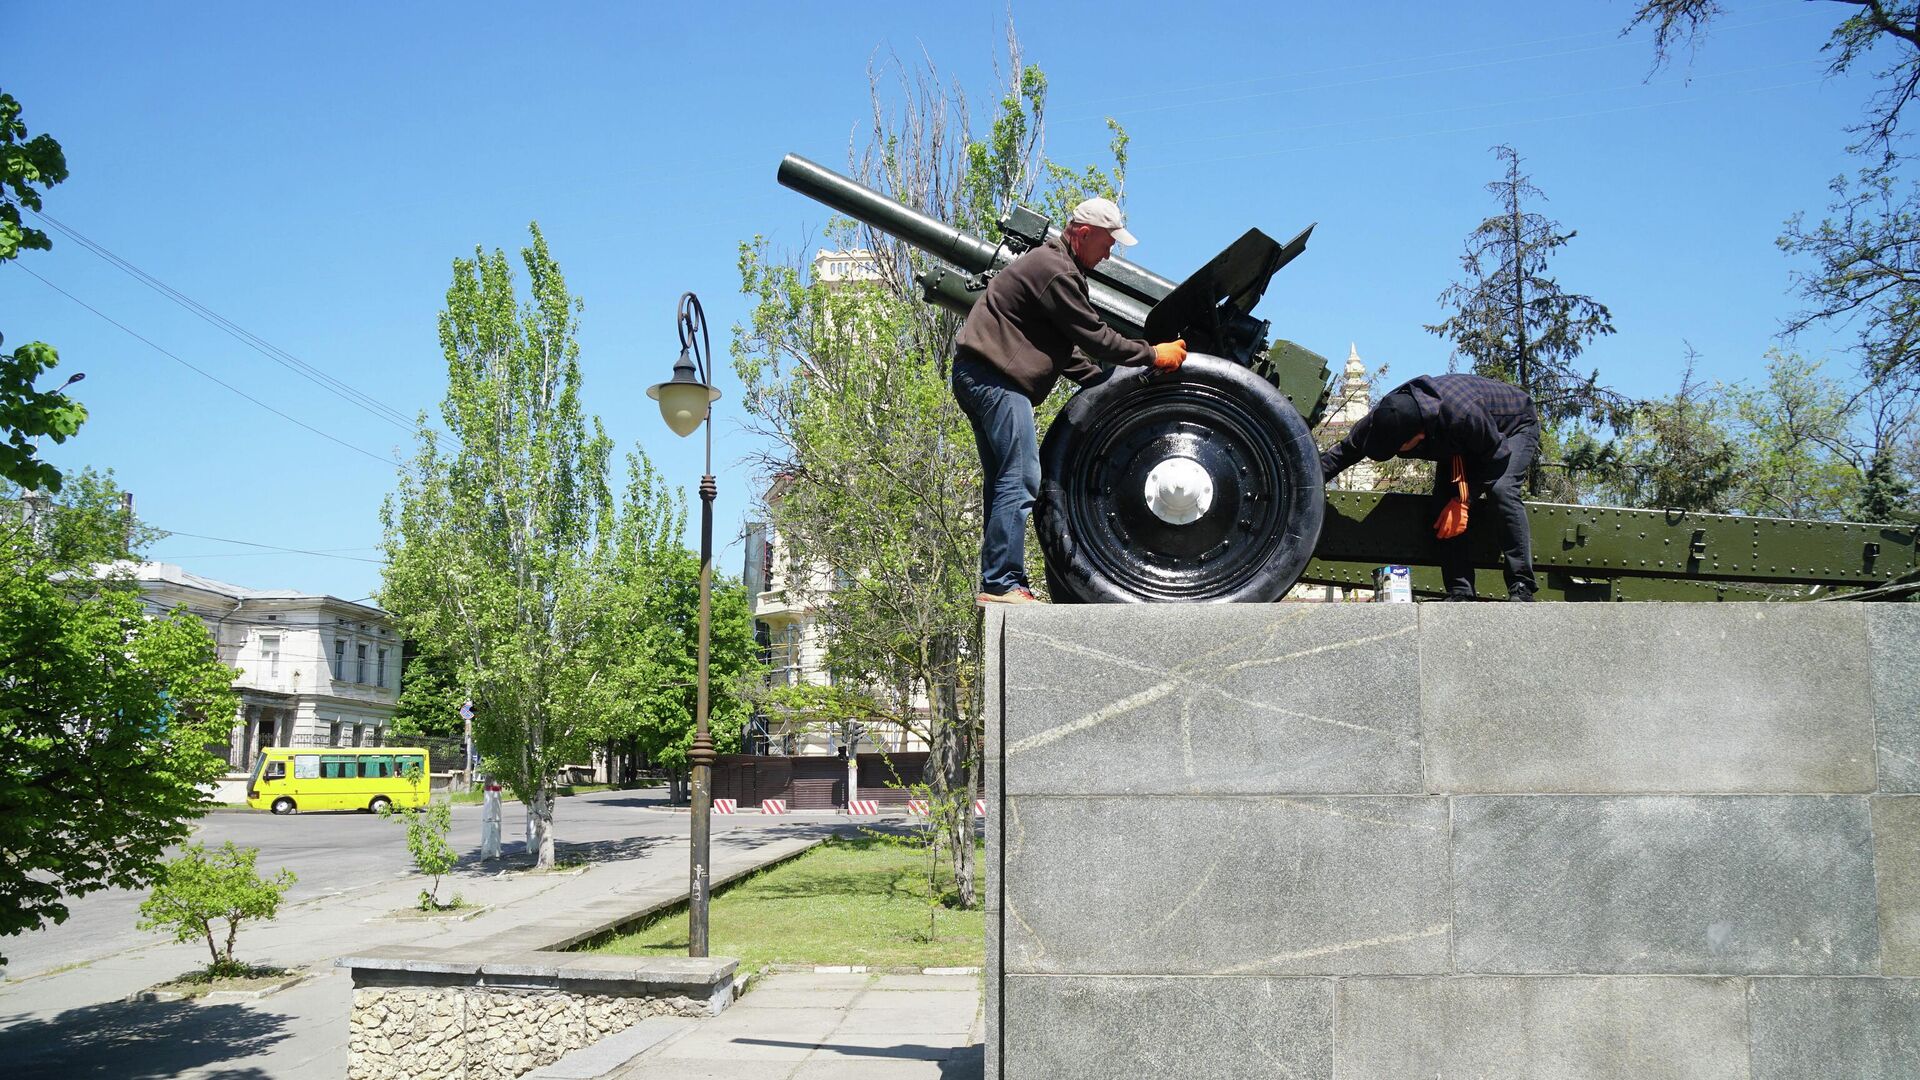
[[1469, 842]]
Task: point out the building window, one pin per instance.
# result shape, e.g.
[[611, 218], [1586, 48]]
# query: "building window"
[[339, 658], [381, 672], [360, 663], [333, 734], [270, 654]]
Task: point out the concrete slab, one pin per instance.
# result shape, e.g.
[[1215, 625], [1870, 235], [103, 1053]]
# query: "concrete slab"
[[615, 1050], [1896, 857], [1664, 884], [1893, 630], [1532, 1028], [1821, 1029], [1723, 698], [1074, 1028], [877, 1070], [1201, 886], [1211, 699]]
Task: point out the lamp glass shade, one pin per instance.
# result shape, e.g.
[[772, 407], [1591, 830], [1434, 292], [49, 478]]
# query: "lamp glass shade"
[[683, 404]]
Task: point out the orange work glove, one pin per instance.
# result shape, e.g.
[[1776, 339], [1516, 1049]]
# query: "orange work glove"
[[1170, 356], [1453, 516]]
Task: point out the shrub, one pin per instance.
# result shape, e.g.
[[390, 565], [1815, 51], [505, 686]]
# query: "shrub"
[[199, 887], [427, 830]]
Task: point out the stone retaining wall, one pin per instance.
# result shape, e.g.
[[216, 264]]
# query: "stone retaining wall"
[[453, 1033], [1476, 842], [426, 1014]]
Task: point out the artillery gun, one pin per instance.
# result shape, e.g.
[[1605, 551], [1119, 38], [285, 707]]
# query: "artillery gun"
[[1205, 485]]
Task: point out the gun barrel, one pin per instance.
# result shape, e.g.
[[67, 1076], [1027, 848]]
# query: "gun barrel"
[[943, 241], [936, 238]]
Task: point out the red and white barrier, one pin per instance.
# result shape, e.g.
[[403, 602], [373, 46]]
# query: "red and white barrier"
[[918, 807], [863, 806], [726, 806], [773, 806]]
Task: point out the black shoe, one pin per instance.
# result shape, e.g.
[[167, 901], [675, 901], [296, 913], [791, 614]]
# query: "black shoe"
[[1520, 596], [1460, 598]]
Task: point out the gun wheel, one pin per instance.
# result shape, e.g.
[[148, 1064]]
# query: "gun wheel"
[[1201, 486]]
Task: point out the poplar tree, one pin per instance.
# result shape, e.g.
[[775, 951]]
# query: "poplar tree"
[[494, 538], [873, 466]]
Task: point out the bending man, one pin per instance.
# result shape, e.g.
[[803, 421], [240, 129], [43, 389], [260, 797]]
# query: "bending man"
[[1482, 436], [1017, 342]]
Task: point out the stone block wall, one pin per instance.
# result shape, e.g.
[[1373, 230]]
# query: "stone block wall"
[[466, 1033], [1468, 842]]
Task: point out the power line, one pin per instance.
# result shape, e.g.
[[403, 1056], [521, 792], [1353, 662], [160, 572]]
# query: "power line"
[[325, 381], [1619, 42], [273, 547], [383, 459]]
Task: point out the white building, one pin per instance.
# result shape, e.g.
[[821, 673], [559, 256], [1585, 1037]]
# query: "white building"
[[1351, 400], [311, 670]]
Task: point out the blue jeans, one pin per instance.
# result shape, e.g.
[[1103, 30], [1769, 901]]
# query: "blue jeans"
[[1003, 430]]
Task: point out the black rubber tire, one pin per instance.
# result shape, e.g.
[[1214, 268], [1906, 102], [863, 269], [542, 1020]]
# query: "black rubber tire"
[[1103, 545], [284, 805], [379, 803]]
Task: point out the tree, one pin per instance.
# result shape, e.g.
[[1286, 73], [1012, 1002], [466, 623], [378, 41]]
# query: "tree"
[[1674, 453], [1865, 253], [27, 166], [427, 828], [106, 717], [1808, 445], [506, 549], [1512, 321], [491, 542], [89, 521], [873, 470], [198, 888], [646, 649]]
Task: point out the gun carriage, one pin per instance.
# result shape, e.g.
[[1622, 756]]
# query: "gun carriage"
[[1205, 485]]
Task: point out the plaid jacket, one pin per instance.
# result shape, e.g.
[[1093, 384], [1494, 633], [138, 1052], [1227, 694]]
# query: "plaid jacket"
[[1469, 415]]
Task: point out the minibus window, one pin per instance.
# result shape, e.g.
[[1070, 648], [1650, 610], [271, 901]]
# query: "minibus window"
[[276, 770]]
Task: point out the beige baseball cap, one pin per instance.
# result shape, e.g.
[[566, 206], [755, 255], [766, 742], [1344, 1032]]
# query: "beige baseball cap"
[[1106, 214]]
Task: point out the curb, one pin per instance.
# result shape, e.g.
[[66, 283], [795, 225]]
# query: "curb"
[[216, 997]]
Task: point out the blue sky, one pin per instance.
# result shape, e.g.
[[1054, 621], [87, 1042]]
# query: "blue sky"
[[310, 171]]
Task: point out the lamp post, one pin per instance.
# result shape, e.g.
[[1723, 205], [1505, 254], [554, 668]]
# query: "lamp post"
[[685, 401]]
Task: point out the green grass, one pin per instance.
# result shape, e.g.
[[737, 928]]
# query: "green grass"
[[848, 901]]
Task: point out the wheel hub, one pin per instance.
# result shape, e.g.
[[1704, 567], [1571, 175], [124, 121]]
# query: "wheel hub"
[[1179, 490]]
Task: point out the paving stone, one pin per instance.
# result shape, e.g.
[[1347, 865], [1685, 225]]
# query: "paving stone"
[[845, 1069], [1647, 698], [1564, 1028], [1203, 886], [1218, 699], [1664, 884], [1194, 1029], [1896, 858], [1835, 1029], [1894, 631]]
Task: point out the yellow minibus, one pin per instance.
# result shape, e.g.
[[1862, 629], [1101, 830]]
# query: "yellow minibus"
[[289, 779]]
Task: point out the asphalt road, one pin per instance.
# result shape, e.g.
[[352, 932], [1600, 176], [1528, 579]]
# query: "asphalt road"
[[336, 852]]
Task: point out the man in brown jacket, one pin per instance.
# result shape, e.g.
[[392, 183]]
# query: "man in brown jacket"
[[1017, 342]]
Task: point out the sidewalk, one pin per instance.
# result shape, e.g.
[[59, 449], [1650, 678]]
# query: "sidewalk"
[[794, 1026], [76, 1022]]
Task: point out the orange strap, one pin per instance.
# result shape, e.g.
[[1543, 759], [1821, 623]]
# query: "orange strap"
[[1460, 476]]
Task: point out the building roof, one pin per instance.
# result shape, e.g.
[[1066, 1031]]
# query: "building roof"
[[172, 574]]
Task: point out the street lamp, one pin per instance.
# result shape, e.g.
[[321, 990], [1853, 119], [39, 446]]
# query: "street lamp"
[[685, 402]]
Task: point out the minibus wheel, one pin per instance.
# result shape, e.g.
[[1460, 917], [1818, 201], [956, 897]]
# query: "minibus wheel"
[[284, 805], [380, 804]]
